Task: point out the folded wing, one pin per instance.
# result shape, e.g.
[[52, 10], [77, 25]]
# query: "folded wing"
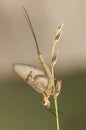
[[32, 75]]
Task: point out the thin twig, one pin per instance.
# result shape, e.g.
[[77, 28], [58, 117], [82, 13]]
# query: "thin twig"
[[56, 39], [55, 102]]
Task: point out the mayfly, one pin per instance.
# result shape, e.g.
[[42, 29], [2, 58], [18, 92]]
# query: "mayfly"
[[39, 80]]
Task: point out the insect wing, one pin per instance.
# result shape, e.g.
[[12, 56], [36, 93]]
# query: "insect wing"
[[32, 75]]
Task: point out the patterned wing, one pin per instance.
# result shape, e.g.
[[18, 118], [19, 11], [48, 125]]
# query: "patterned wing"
[[32, 75]]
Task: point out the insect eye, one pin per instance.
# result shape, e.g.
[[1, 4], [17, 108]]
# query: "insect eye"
[[44, 103]]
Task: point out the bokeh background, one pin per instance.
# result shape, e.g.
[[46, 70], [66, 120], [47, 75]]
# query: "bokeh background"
[[20, 105]]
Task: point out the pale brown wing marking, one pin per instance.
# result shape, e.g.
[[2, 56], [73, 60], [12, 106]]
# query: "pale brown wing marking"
[[38, 82], [29, 76], [39, 75]]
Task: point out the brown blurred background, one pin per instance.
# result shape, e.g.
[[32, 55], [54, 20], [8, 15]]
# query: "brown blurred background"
[[20, 105]]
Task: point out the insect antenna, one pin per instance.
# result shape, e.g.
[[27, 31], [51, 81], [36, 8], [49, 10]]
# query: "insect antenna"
[[51, 110], [31, 27], [58, 111]]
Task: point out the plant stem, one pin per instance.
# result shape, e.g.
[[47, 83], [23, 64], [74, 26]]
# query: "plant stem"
[[56, 39], [57, 118], [55, 102]]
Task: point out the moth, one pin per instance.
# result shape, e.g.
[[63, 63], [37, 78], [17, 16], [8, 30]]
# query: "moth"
[[39, 80]]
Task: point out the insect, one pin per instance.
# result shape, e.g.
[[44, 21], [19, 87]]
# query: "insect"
[[39, 80]]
